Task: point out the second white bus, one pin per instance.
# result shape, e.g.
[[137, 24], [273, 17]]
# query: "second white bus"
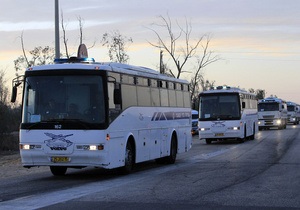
[[227, 113]]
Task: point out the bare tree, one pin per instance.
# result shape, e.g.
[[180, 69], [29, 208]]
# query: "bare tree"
[[188, 51], [197, 78], [260, 93], [80, 21], [38, 56], [179, 54], [117, 46], [44, 55], [3, 88], [65, 39]]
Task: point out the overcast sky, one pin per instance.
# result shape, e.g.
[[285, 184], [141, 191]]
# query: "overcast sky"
[[258, 40]]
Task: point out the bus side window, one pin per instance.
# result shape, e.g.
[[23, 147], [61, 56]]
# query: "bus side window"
[[114, 98], [117, 94], [243, 105]]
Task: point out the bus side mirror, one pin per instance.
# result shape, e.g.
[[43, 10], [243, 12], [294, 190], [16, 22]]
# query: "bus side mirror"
[[14, 94], [243, 105], [117, 94], [16, 82]]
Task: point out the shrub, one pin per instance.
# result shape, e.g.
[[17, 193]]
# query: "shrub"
[[9, 142]]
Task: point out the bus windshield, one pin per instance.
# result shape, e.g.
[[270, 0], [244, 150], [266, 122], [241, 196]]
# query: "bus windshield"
[[291, 108], [64, 98], [262, 107], [219, 107]]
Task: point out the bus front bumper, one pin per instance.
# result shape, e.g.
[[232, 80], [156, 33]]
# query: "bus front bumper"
[[39, 158], [268, 123], [229, 134]]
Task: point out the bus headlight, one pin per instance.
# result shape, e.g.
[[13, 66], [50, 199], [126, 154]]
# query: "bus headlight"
[[204, 129], [278, 122], [25, 146]]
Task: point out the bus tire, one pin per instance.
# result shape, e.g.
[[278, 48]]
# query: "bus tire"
[[242, 140], [208, 141], [129, 159], [58, 170], [173, 151], [252, 137]]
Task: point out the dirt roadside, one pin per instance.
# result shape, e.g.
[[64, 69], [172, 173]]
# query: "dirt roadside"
[[10, 165]]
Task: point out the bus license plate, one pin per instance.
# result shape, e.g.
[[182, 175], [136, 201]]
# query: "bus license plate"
[[60, 159], [219, 134]]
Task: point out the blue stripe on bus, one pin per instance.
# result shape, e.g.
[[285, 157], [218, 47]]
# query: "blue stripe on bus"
[[160, 116]]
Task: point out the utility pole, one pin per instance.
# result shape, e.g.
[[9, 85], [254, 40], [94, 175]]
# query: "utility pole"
[[57, 47]]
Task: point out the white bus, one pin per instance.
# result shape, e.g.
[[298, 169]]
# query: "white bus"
[[272, 112], [293, 113], [78, 113], [227, 113]]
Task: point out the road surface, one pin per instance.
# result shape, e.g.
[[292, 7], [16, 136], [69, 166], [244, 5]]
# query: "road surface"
[[259, 174]]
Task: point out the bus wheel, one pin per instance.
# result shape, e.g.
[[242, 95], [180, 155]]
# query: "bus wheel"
[[242, 140], [173, 151], [252, 137], [129, 159], [58, 170], [208, 141]]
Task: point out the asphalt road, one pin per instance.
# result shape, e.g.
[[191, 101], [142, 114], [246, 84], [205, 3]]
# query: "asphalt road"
[[259, 174]]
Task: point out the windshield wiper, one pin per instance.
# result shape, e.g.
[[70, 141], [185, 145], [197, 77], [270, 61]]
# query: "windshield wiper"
[[35, 124]]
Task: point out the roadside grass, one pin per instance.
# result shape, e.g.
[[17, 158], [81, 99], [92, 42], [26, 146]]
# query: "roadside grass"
[[9, 142]]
